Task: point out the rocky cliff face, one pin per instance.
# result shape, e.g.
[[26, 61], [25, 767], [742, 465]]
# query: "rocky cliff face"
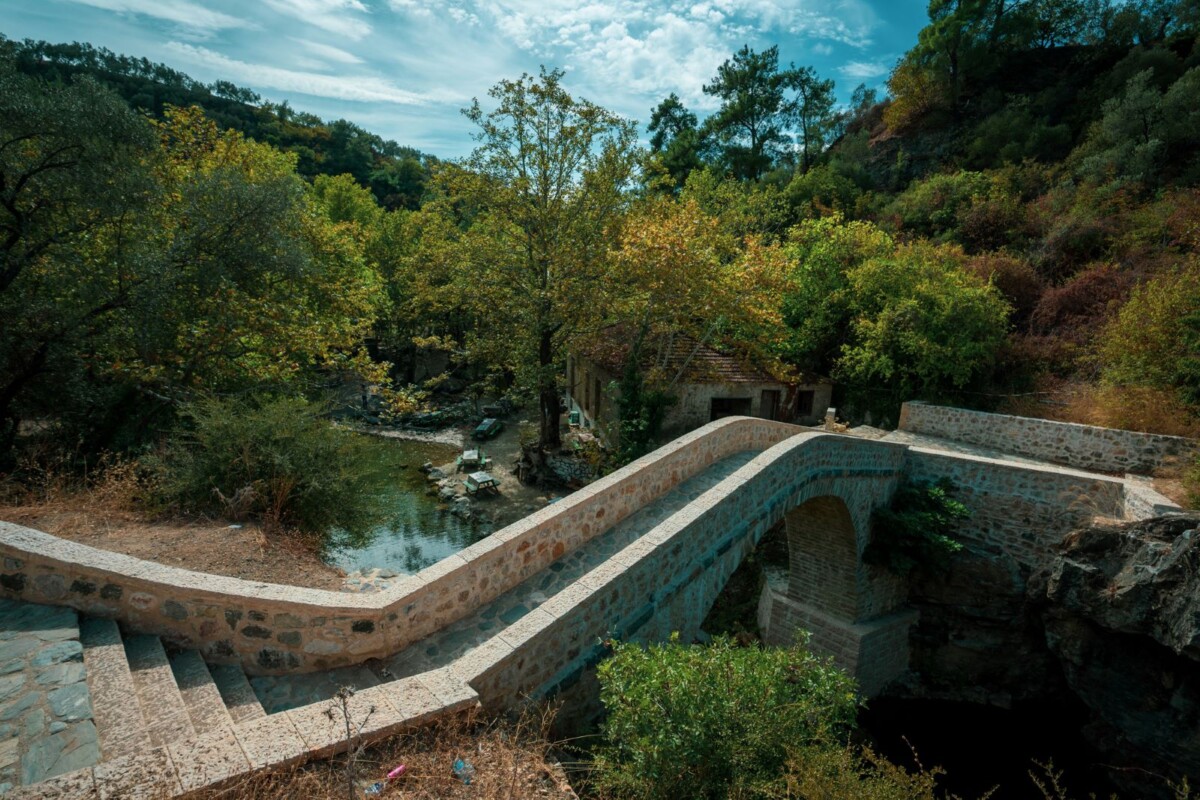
[[1112, 618], [1120, 607]]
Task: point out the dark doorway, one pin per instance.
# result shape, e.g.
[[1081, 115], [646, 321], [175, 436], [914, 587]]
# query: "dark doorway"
[[769, 409], [730, 407], [804, 403]]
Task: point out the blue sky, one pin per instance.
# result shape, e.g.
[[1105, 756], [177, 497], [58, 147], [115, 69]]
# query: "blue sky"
[[404, 68]]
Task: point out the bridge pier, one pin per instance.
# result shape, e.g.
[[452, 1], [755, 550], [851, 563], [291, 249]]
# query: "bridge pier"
[[853, 612], [875, 652]]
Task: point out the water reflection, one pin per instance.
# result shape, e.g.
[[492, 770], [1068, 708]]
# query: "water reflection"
[[420, 534]]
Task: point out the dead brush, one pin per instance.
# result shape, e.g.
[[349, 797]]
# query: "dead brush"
[[511, 760]]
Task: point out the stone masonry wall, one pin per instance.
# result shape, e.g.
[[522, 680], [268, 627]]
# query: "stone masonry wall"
[[270, 628], [667, 579], [1080, 446]]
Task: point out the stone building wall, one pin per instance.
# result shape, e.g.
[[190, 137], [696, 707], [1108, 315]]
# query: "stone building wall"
[[1073, 445]]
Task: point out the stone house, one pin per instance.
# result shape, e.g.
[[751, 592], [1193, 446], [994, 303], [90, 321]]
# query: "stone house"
[[710, 385]]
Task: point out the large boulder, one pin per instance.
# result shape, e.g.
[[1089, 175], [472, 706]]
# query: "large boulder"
[[1120, 606]]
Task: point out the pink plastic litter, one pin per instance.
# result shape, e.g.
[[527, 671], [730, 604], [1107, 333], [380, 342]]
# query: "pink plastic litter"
[[396, 773]]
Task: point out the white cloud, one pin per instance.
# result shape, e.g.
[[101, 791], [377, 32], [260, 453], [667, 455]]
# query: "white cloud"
[[326, 53], [334, 16], [863, 69], [362, 88], [181, 12]]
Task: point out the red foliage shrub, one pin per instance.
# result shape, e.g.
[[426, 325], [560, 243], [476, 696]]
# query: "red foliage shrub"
[[1076, 309], [1015, 278]]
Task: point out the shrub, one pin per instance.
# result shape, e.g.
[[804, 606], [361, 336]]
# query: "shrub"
[[714, 721], [1155, 339], [279, 461], [1015, 279], [1077, 309], [918, 529]]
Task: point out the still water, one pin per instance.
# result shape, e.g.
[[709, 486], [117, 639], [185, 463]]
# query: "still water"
[[420, 533]]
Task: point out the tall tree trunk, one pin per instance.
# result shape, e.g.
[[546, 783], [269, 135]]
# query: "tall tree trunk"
[[548, 434]]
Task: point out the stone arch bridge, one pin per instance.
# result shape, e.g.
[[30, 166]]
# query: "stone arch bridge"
[[639, 554]]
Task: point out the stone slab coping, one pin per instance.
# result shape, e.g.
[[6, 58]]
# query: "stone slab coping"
[[17, 539], [223, 758], [1055, 423]]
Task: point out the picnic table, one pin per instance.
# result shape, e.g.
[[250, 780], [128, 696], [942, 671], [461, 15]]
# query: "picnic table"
[[488, 428], [477, 481], [471, 459]]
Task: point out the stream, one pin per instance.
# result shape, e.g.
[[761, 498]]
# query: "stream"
[[421, 533]]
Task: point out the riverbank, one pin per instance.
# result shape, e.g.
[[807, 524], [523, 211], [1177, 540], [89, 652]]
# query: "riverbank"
[[214, 546]]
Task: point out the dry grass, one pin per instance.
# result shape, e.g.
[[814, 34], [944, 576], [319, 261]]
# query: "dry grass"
[[107, 506], [1129, 408], [511, 761]]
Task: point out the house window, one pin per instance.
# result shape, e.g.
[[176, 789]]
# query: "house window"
[[804, 403], [729, 407]]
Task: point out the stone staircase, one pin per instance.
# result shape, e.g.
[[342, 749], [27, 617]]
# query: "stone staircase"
[[90, 712], [76, 693]]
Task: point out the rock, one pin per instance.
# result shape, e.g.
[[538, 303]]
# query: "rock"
[[446, 493], [427, 467], [388, 573], [434, 475], [61, 674], [10, 685], [71, 703], [58, 652], [1121, 610]]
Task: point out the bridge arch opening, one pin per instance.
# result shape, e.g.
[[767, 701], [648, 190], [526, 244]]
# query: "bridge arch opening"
[[823, 557]]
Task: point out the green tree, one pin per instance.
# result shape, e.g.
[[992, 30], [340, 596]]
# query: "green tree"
[[816, 305], [280, 461], [811, 111], [749, 124], [547, 180], [74, 177], [675, 140], [920, 326], [1155, 339], [259, 288]]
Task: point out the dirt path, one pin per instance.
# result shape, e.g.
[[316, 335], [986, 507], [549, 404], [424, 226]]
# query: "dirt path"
[[204, 546]]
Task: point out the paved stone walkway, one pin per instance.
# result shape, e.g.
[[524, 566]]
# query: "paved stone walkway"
[[280, 693], [46, 725]]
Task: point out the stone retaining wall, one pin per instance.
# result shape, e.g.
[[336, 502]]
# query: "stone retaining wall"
[[1080, 446], [1020, 512], [270, 628]]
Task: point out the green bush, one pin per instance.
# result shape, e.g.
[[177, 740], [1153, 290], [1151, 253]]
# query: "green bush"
[[279, 461], [918, 530], [714, 721]]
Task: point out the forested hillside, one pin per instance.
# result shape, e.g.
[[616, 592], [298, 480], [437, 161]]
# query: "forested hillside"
[[1015, 224], [395, 174]]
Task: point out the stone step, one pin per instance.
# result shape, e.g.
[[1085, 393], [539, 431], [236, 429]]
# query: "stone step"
[[46, 726], [240, 699], [205, 706], [162, 703], [119, 720], [284, 692]]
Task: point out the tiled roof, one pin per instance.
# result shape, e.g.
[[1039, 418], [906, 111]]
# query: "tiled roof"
[[699, 363]]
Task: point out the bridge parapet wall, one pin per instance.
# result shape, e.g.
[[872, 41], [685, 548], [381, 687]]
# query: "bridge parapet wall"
[[668, 579], [1081, 446], [1020, 511], [270, 628]]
